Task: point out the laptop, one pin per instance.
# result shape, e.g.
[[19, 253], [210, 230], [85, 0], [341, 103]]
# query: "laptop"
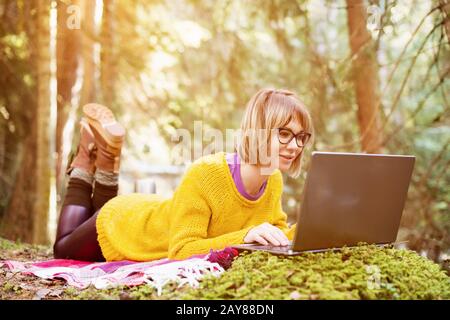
[[348, 198]]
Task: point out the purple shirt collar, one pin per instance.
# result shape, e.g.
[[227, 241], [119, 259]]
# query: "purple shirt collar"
[[234, 163]]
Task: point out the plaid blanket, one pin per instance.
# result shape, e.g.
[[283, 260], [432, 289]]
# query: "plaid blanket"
[[101, 275]]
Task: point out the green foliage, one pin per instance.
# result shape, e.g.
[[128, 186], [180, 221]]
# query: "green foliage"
[[17, 95], [366, 272], [9, 245]]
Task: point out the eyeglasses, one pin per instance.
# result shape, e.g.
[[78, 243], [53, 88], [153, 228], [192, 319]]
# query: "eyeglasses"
[[285, 136]]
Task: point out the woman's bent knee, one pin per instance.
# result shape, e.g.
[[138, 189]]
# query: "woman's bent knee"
[[58, 250]]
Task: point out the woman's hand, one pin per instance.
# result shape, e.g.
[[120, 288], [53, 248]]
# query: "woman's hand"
[[266, 233]]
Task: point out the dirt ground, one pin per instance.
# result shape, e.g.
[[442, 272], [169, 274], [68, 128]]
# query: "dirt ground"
[[17, 286]]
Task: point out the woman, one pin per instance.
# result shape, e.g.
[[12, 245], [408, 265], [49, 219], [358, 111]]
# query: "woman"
[[223, 199]]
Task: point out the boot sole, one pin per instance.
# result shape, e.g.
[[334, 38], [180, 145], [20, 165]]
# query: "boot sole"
[[102, 120]]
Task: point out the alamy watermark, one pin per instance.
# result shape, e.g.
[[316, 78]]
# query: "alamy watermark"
[[374, 277], [377, 13], [73, 21], [260, 145]]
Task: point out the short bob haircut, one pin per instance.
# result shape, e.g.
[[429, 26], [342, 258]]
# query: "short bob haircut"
[[270, 109]]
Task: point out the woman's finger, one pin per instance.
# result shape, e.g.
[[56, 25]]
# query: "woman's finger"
[[261, 240], [268, 236], [284, 238], [280, 236]]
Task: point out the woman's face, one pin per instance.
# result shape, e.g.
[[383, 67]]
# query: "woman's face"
[[287, 152]]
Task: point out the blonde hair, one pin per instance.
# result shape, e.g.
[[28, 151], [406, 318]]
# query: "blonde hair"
[[270, 109]]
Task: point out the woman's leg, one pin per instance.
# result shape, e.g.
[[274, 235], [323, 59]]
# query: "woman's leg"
[[77, 233], [81, 243], [109, 136], [76, 237], [103, 191], [77, 207]]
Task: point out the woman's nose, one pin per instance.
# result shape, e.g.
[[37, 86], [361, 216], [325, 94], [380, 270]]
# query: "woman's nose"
[[292, 145]]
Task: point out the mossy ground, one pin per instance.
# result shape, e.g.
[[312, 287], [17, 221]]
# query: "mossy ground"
[[366, 272]]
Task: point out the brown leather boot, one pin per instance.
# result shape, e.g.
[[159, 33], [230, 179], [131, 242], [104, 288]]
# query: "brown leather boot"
[[109, 136], [86, 151]]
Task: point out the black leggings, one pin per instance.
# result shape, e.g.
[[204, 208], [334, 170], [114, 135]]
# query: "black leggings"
[[76, 236]]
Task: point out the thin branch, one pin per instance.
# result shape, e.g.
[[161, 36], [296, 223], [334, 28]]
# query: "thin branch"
[[415, 32], [419, 107], [408, 73], [430, 169]]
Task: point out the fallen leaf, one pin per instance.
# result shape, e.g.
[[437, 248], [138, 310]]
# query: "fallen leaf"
[[26, 286], [47, 282], [55, 293], [41, 293], [125, 296], [289, 273]]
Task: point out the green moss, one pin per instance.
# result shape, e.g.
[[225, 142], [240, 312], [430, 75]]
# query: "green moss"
[[91, 293], [365, 272], [10, 245], [21, 247], [10, 287], [141, 292]]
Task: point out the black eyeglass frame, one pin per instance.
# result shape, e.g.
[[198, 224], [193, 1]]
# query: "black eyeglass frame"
[[302, 134]]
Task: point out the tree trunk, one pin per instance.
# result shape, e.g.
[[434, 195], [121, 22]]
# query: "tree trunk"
[[14, 94], [67, 53], [27, 214], [365, 76], [88, 40], [43, 160], [108, 56]]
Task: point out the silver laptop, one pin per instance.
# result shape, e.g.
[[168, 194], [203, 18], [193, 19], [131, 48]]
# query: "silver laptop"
[[348, 198]]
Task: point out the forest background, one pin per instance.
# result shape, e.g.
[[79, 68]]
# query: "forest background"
[[374, 74]]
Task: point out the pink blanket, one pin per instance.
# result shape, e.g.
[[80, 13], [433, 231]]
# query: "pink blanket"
[[82, 274]]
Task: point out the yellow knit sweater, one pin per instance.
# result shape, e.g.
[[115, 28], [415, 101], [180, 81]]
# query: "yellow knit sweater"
[[205, 212]]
